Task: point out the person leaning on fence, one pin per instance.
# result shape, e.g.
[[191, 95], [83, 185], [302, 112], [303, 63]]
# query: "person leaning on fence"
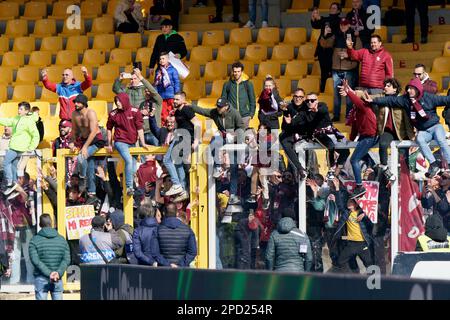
[[24, 137], [50, 255], [435, 238]]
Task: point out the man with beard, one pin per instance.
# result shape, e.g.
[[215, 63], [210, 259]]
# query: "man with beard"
[[62, 142]]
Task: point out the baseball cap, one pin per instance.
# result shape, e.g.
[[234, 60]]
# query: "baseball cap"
[[81, 98], [221, 102], [344, 21], [65, 123]]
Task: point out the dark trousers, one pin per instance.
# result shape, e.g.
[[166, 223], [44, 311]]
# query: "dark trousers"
[[353, 249], [236, 9], [329, 144], [384, 143], [288, 144], [410, 11], [127, 27]]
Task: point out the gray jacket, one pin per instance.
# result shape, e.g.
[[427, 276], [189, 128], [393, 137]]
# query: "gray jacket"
[[106, 242], [289, 249]]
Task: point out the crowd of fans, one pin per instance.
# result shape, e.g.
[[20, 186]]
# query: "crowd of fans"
[[257, 190]]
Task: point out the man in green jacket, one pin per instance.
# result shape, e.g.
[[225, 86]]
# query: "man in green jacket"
[[50, 256], [231, 128], [240, 93], [136, 91], [25, 137]]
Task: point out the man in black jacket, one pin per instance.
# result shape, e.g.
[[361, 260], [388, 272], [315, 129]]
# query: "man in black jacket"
[[168, 41]]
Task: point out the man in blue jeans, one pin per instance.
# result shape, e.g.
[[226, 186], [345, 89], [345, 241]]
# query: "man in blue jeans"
[[127, 123], [421, 107], [87, 137], [50, 255]]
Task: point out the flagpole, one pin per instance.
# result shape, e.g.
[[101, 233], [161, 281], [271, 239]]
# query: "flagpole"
[[394, 202]]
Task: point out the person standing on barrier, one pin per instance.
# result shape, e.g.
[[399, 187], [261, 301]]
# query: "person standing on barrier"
[[50, 255], [315, 120], [421, 107], [24, 137], [289, 248], [128, 128], [364, 128], [359, 229], [435, 238], [87, 138], [230, 125]]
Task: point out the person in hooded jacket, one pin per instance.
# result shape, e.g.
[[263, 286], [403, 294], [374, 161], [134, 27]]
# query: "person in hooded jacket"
[[245, 235], [124, 254], [289, 248], [435, 238], [128, 127], [176, 240], [421, 107], [269, 104]]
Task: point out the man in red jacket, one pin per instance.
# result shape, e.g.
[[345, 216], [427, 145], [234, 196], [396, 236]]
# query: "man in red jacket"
[[67, 90], [128, 126], [376, 64]]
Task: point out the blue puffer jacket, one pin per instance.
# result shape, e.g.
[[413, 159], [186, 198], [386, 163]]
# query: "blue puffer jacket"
[[365, 224], [176, 242], [428, 101], [145, 242], [174, 87]]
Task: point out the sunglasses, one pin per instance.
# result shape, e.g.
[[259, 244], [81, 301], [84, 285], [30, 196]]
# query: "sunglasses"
[[310, 100], [65, 75], [299, 96], [417, 74]]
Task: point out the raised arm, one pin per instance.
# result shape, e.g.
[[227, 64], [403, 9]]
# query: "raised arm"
[[202, 111], [46, 82], [87, 83]]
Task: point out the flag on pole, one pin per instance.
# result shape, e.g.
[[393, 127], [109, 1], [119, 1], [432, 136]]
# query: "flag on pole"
[[411, 224]]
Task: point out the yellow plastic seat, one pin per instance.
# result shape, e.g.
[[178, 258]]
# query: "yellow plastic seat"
[[4, 45], [9, 10], [53, 44], [268, 36], [112, 4], [447, 49], [51, 131], [59, 9], [283, 52], [48, 96], [382, 32], [24, 92], [152, 38], [295, 69], [213, 38], [240, 37], [101, 25], [228, 53], [120, 56], [295, 36], [325, 4], [104, 92], [54, 73], [249, 67], [190, 38], [441, 64], [283, 86], [309, 85], [34, 10], [44, 109], [77, 43], [44, 28], [13, 59], [130, 41], [269, 68], [329, 101], [100, 107], [3, 94], [256, 53], [195, 89], [315, 71], [302, 4], [70, 27], [215, 70], [66, 58], [78, 74], [93, 57], [201, 54], [91, 9], [329, 86], [216, 89], [306, 52], [143, 55], [105, 42], [206, 103], [27, 75], [315, 34], [24, 44], [16, 28], [8, 109], [107, 73], [6, 75], [194, 70]]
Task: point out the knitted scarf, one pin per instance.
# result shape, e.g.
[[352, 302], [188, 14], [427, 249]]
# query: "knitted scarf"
[[162, 76]]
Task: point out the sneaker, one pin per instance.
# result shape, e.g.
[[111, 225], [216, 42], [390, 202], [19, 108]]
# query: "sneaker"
[[251, 199], [175, 189], [218, 171], [265, 204], [234, 200], [13, 195], [424, 40], [432, 171], [388, 175], [250, 25], [330, 175], [181, 197], [130, 192], [10, 189], [358, 192], [216, 20], [407, 40], [264, 24]]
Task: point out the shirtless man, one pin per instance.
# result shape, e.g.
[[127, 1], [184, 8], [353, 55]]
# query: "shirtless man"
[[87, 137]]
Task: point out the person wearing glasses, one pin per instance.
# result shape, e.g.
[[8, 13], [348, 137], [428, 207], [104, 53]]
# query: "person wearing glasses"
[[67, 90], [315, 120], [429, 85]]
